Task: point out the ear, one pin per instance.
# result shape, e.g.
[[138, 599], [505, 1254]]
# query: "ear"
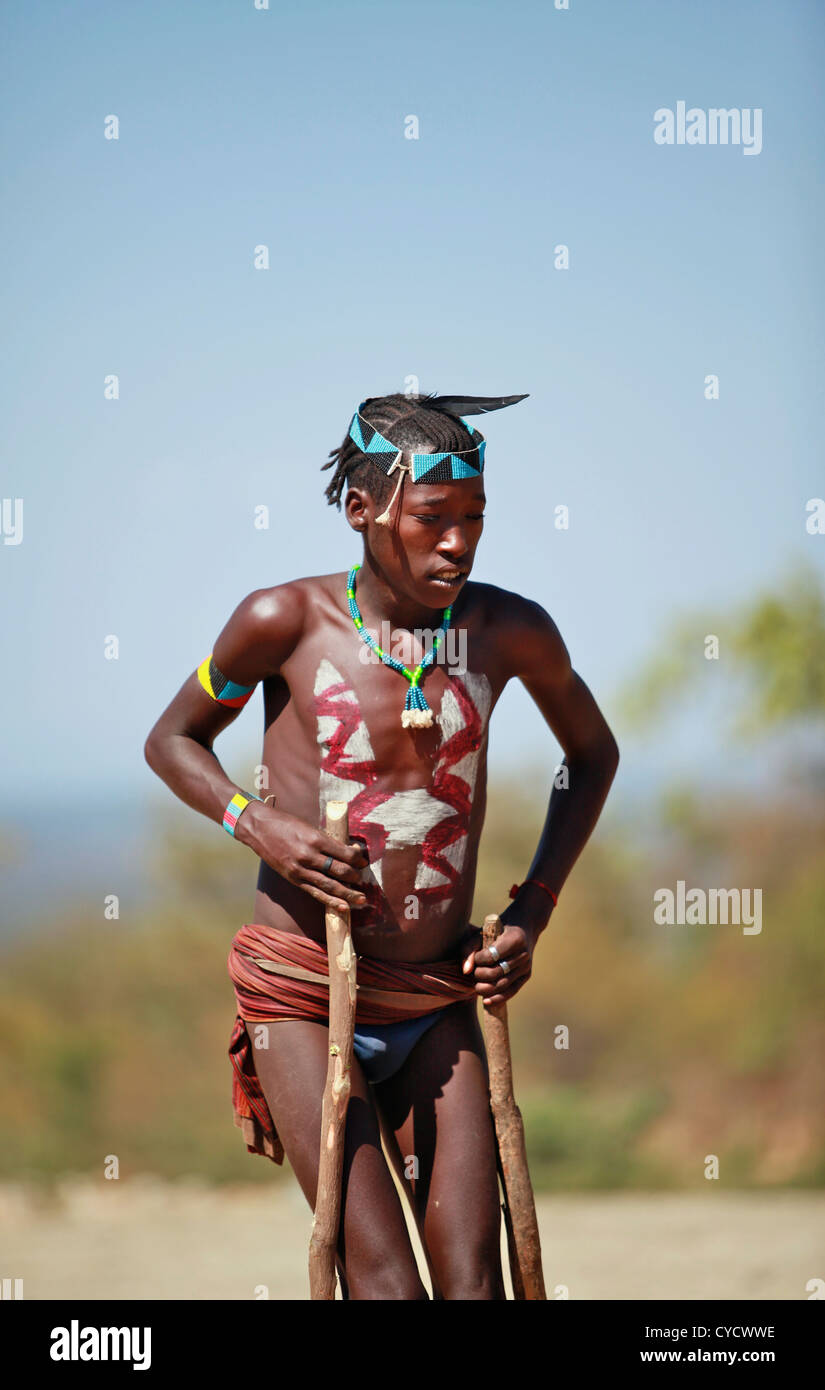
[[358, 508]]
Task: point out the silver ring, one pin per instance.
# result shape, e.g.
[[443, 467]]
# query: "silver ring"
[[327, 864], [505, 965], [494, 953]]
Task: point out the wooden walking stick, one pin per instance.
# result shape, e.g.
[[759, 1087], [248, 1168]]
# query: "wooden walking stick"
[[519, 1204], [512, 1254], [323, 1243]]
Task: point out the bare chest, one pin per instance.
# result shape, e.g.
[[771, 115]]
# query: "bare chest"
[[415, 797]]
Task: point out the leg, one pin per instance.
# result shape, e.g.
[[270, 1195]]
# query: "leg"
[[437, 1109], [375, 1255]]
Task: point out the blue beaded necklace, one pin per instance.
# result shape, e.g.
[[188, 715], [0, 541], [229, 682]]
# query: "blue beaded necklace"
[[416, 713]]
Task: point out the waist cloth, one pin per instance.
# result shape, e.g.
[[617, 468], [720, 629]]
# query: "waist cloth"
[[280, 975]]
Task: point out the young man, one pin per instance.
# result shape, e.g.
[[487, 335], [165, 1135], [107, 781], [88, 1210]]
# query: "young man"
[[413, 771]]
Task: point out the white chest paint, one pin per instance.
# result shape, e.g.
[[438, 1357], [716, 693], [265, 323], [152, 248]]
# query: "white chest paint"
[[434, 819]]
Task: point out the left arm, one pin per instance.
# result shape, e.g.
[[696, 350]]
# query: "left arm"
[[535, 652]]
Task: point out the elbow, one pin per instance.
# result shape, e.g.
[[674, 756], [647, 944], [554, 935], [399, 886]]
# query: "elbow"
[[151, 751], [599, 760], [162, 748], [612, 753], [610, 756], [602, 757]]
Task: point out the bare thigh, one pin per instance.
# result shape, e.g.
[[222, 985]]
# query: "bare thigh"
[[438, 1127], [374, 1250]]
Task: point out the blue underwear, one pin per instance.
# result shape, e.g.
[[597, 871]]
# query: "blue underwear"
[[382, 1048]]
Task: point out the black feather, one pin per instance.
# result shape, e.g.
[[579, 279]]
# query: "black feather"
[[472, 405]]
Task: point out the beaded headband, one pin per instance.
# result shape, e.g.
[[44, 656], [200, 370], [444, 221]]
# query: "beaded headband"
[[426, 468], [432, 467]]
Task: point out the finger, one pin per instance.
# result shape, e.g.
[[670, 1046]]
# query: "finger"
[[493, 973], [338, 870], [472, 934], [355, 854], [486, 988], [504, 994], [483, 958], [338, 894], [509, 944], [323, 898]]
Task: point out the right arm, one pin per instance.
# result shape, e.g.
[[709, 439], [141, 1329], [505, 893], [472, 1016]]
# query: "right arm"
[[259, 636]]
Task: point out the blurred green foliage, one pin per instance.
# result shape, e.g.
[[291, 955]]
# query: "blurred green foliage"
[[774, 646]]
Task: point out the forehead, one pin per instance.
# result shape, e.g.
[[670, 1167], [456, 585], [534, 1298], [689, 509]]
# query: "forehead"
[[456, 493]]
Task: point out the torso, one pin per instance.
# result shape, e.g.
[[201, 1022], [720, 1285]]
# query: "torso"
[[416, 797]]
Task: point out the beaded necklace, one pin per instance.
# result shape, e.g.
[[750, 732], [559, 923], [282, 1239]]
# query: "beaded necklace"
[[416, 713]]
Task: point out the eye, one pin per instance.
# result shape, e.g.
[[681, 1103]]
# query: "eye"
[[432, 516]]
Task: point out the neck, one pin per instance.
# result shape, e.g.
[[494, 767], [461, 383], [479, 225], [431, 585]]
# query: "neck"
[[377, 599]]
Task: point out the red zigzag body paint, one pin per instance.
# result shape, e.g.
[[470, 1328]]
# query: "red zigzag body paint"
[[434, 818]]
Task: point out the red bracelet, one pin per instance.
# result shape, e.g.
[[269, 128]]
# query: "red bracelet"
[[516, 886]]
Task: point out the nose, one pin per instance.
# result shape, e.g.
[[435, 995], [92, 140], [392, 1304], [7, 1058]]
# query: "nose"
[[453, 545]]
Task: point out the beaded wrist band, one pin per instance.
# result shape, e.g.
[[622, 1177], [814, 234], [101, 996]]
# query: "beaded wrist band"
[[234, 809], [516, 886]]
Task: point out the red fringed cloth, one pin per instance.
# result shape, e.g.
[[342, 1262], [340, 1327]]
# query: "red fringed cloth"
[[279, 975]]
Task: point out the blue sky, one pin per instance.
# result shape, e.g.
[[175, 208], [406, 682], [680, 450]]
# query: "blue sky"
[[392, 258]]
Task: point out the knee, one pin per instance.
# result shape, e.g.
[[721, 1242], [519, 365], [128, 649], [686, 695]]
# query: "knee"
[[472, 1274], [389, 1281], [476, 1283]]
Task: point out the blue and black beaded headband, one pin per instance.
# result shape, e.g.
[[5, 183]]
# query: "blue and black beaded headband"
[[433, 467]]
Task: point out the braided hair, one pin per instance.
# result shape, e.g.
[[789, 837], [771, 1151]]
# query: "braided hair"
[[407, 421]]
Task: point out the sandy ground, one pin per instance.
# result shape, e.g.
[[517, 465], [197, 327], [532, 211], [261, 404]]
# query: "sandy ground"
[[147, 1238]]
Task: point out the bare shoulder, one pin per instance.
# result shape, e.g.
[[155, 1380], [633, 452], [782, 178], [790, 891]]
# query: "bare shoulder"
[[264, 629], [526, 637]]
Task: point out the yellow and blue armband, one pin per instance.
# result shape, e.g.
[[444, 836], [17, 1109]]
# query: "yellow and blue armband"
[[221, 688]]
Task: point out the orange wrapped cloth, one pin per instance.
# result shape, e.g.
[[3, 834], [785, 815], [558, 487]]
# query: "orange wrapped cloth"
[[280, 975]]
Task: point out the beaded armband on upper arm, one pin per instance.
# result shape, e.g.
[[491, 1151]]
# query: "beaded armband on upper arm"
[[221, 688]]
